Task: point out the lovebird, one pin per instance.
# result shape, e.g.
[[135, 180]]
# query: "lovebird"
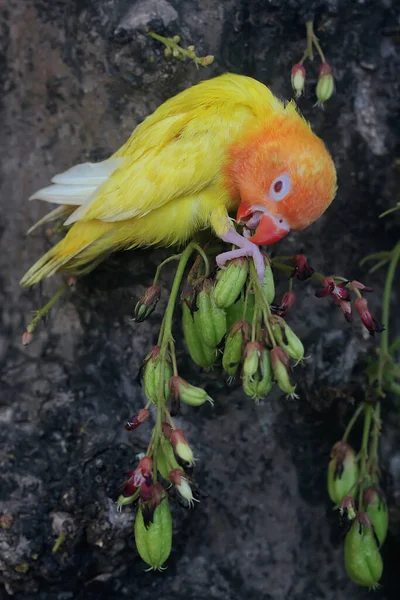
[[224, 145]]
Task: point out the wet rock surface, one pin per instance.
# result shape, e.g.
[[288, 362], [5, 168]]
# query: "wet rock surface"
[[77, 77]]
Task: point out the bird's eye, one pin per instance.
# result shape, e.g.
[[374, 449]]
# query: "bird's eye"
[[280, 187]]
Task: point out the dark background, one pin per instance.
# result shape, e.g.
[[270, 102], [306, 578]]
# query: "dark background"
[[77, 77]]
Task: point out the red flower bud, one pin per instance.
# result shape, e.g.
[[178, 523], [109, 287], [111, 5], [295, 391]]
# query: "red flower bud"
[[302, 269], [360, 286], [368, 320], [27, 338], [166, 430], [288, 299], [345, 305], [137, 420]]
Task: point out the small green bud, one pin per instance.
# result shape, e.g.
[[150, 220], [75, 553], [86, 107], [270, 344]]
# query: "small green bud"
[[177, 477], [342, 472], [147, 303], [206, 60], [181, 447], [233, 347], [187, 393], [325, 84], [298, 79], [362, 558], [251, 359], [288, 340], [154, 541], [280, 363]]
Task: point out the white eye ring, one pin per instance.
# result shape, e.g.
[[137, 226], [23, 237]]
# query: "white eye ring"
[[280, 187]]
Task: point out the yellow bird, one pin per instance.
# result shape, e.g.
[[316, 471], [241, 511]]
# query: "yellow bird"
[[223, 144]]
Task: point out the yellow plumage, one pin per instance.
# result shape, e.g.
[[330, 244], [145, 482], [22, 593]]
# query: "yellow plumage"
[[165, 183]]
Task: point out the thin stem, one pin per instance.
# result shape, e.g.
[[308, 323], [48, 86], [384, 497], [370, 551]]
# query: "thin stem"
[[385, 315], [352, 421], [364, 453], [265, 307], [169, 418], [166, 338], [246, 301], [173, 358], [162, 265], [376, 430], [40, 314], [378, 266], [204, 257]]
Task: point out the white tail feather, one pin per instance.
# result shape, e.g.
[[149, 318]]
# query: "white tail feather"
[[64, 194], [88, 173], [79, 184]]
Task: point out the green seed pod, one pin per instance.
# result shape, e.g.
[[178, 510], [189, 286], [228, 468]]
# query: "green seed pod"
[[233, 348], [265, 384], [288, 340], [342, 472], [188, 393], [154, 542], [210, 320], [281, 374], [362, 558], [268, 285], [166, 461], [202, 355], [251, 359], [377, 510], [152, 370], [230, 282]]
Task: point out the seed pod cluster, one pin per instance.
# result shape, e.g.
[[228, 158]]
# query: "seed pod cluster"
[[229, 313]]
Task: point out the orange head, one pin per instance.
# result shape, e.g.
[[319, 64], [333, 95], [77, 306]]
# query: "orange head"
[[284, 175]]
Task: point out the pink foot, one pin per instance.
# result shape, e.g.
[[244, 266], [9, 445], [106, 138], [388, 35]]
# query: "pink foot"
[[246, 248]]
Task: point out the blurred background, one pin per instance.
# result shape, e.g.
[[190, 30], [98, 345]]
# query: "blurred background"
[[76, 78]]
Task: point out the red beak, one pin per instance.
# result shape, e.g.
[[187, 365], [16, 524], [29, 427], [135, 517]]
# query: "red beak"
[[270, 229]]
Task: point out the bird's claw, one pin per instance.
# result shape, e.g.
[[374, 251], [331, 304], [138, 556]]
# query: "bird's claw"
[[250, 250]]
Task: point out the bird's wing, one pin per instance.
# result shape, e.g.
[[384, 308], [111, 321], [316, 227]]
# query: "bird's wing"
[[180, 149]]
